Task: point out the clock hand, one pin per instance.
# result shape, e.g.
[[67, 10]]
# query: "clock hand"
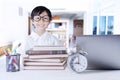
[[78, 60]]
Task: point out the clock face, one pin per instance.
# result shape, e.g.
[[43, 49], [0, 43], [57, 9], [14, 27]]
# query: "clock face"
[[77, 62]]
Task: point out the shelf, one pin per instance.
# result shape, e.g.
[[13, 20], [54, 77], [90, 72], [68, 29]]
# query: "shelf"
[[56, 30], [62, 40], [57, 21], [59, 28]]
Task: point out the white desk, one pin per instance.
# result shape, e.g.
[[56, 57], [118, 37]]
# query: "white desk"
[[57, 74]]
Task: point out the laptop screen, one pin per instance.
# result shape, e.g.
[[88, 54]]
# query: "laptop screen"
[[103, 50]]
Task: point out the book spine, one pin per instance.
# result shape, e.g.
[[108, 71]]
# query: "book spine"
[[44, 63], [32, 52], [44, 67], [48, 56], [49, 48], [26, 59]]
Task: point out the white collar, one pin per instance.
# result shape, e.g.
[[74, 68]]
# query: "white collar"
[[35, 36]]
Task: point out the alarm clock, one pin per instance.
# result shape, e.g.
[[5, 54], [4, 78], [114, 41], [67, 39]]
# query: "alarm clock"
[[77, 62]]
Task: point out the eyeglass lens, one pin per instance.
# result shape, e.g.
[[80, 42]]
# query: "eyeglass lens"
[[44, 18]]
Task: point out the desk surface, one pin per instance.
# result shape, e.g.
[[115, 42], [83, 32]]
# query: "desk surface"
[[57, 74]]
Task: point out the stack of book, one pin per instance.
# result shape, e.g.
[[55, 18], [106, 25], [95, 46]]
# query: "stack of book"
[[44, 57]]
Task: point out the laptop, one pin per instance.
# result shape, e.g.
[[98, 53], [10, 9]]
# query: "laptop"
[[103, 50]]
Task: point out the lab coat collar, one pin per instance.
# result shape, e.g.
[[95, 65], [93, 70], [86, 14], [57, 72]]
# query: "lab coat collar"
[[35, 36]]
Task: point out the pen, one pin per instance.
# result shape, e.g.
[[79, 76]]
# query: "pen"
[[9, 51], [11, 59], [5, 51], [14, 50]]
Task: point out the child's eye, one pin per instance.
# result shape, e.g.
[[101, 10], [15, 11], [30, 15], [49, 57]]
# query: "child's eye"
[[38, 18]]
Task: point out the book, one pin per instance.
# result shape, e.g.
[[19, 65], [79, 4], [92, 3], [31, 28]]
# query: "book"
[[48, 56], [47, 48], [45, 63], [44, 67], [61, 59], [45, 52]]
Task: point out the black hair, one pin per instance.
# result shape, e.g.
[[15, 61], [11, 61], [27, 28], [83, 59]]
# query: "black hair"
[[38, 10]]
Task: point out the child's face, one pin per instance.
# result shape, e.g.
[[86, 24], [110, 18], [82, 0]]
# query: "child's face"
[[41, 21]]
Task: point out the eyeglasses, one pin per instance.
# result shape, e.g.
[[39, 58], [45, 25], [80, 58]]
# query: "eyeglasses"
[[44, 18]]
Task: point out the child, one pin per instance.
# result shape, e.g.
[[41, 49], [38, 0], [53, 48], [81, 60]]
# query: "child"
[[41, 18]]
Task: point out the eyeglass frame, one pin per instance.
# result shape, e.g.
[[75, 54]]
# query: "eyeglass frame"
[[42, 17]]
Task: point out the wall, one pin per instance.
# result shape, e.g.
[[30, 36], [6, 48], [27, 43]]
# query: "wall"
[[117, 18], [13, 26], [100, 7], [12, 23]]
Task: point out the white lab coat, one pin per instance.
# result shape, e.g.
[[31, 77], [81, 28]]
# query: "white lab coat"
[[46, 39]]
